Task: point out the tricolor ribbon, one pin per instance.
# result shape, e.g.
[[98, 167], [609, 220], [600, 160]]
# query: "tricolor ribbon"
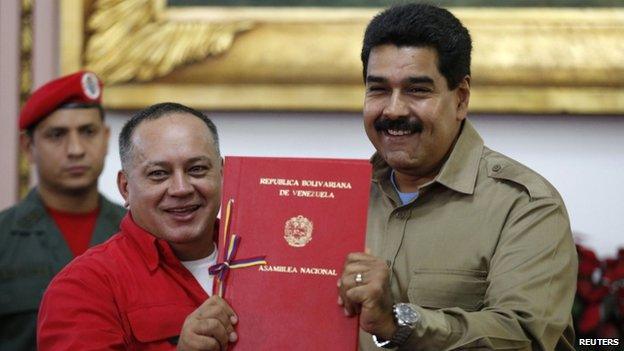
[[221, 269]]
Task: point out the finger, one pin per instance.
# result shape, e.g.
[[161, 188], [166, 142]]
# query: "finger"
[[347, 281], [202, 342], [212, 328], [205, 308], [361, 274], [224, 319], [350, 307], [342, 297], [351, 270], [368, 299], [228, 309], [218, 313], [372, 286], [358, 294], [374, 293], [216, 307], [358, 263], [360, 257]]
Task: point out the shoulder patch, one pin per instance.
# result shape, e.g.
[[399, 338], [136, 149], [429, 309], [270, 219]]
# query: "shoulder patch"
[[507, 169]]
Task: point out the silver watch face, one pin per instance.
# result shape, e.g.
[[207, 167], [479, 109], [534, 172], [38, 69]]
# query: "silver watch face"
[[406, 315]]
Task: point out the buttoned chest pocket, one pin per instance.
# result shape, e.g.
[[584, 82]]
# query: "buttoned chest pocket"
[[448, 288], [157, 327]]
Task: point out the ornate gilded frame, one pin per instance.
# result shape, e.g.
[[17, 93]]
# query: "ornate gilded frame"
[[526, 60], [25, 85]]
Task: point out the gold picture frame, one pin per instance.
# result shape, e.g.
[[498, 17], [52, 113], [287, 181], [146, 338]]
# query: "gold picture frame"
[[525, 60]]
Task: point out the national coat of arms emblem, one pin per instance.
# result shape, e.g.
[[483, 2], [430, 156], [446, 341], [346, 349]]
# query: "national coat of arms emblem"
[[298, 231]]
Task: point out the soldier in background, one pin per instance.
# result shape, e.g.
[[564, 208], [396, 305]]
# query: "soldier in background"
[[64, 136]]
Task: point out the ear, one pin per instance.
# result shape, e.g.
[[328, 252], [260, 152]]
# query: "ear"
[[27, 145], [463, 98], [122, 185]]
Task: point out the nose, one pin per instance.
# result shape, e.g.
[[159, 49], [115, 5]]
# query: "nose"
[[396, 107], [180, 185], [75, 148]]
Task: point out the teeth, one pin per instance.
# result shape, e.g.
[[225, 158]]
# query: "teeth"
[[398, 132]]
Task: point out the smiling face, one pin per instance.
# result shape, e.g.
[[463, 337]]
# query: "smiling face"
[[410, 115], [68, 147], [173, 182]]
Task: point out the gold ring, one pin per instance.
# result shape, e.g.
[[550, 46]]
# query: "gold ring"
[[359, 278]]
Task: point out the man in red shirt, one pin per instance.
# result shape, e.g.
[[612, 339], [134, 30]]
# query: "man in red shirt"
[[66, 139], [147, 288]]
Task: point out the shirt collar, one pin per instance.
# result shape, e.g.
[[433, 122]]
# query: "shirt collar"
[[404, 197], [30, 210], [145, 242], [459, 172], [151, 248]]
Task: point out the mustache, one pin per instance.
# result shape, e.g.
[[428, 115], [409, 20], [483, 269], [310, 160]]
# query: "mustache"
[[401, 123]]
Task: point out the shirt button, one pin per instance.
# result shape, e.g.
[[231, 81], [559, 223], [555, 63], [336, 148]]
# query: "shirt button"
[[496, 168], [400, 215]]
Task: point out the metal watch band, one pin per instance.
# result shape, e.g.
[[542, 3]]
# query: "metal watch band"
[[400, 337], [379, 342]]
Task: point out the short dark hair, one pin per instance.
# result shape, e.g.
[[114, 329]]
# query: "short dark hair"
[[155, 112], [70, 105], [423, 25]]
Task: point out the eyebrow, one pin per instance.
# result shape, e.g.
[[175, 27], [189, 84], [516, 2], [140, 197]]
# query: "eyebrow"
[[375, 79], [62, 127], [420, 79], [199, 158], [410, 80], [156, 164], [191, 160], [55, 128]]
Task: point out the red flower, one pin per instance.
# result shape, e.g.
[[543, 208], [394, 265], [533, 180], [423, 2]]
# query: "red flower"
[[590, 319], [588, 262], [599, 303], [591, 293]]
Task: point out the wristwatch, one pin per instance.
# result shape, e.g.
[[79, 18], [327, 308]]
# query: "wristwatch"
[[406, 317]]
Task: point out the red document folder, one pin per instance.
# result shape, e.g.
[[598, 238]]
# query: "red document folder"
[[304, 216]]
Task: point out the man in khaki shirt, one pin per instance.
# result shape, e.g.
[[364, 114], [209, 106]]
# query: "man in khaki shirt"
[[469, 249]]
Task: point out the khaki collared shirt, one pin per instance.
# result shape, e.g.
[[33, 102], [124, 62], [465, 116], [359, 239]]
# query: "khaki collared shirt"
[[485, 252]]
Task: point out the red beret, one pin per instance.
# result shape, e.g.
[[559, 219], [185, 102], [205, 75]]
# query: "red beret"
[[77, 87]]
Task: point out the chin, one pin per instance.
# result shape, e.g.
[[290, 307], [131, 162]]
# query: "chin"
[[189, 238], [78, 182], [188, 233], [400, 160], [77, 189]]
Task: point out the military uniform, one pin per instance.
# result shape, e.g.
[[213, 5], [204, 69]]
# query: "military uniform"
[[32, 251], [484, 252]]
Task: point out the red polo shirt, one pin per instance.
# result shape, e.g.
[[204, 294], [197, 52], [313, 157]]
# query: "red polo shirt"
[[129, 293]]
